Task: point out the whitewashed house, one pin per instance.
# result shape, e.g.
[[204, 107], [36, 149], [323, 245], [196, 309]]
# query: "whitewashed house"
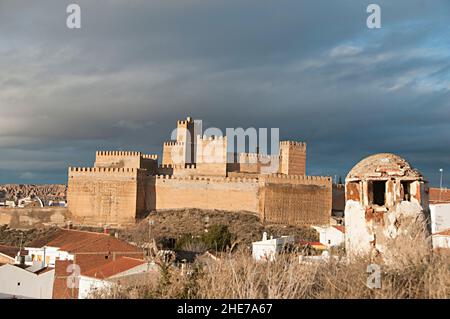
[[30, 282], [123, 269], [331, 236], [267, 249]]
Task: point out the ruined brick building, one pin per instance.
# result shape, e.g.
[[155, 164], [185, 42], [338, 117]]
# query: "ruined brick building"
[[385, 199], [198, 172]]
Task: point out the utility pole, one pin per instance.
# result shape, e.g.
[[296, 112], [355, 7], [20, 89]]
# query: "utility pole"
[[150, 224]]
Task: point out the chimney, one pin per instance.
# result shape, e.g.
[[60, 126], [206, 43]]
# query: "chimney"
[[264, 236]]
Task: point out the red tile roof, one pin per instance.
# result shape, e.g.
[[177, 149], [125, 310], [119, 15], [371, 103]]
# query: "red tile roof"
[[77, 241], [9, 251], [443, 233], [438, 195], [312, 243], [114, 267], [340, 228]]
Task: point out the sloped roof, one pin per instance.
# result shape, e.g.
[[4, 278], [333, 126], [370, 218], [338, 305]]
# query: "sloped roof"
[[9, 251], [383, 165], [77, 241], [438, 195], [114, 267], [340, 228], [443, 233]]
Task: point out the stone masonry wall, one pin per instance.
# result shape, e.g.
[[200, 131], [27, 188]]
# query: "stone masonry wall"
[[296, 200], [103, 195]]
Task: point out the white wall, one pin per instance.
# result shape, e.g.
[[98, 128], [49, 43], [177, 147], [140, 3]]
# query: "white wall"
[[267, 249], [20, 282], [87, 285], [440, 217], [330, 236], [441, 241], [50, 253]]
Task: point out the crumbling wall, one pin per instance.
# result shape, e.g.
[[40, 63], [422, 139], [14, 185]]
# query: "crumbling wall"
[[386, 206]]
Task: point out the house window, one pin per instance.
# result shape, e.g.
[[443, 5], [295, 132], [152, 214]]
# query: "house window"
[[378, 192], [406, 190], [18, 284]]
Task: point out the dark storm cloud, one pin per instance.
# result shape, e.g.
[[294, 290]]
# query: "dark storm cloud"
[[311, 68]]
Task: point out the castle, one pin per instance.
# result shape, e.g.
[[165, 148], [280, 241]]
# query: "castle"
[[197, 171]]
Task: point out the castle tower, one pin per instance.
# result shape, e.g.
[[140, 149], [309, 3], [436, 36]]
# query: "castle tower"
[[183, 150], [292, 158], [212, 155]]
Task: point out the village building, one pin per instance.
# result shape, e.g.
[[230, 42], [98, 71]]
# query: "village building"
[[385, 199], [124, 270], [26, 282], [331, 236], [268, 248]]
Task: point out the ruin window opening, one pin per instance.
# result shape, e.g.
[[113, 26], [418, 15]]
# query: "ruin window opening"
[[406, 187], [379, 193]]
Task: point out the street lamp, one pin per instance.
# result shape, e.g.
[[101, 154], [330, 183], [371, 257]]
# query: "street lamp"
[[440, 184]]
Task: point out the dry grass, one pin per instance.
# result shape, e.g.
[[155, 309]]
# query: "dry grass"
[[239, 276], [412, 270]]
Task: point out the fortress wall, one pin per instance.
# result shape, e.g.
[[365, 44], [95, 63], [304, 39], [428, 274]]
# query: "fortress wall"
[[103, 195], [296, 200], [118, 159], [233, 194], [211, 169]]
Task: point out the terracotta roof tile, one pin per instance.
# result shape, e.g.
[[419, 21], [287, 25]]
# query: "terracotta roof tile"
[[443, 233], [76, 241], [439, 196], [9, 251], [340, 228], [114, 267]]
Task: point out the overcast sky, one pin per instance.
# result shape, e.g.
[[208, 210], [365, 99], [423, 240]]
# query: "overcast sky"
[[311, 68]]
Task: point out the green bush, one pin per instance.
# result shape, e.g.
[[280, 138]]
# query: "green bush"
[[217, 238]]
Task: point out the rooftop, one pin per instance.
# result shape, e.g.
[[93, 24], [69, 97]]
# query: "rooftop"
[[114, 267], [438, 195], [77, 241], [383, 165]]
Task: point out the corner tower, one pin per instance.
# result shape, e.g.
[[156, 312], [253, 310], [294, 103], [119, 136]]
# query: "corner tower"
[[292, 158]]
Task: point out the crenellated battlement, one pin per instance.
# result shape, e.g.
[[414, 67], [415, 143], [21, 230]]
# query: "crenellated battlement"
[[104, 170], [292, 143], [117, 153], [207, 179], [211, 138], [187, 121], [300, 177], [258, 155], [150, 156], [172, 143]]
